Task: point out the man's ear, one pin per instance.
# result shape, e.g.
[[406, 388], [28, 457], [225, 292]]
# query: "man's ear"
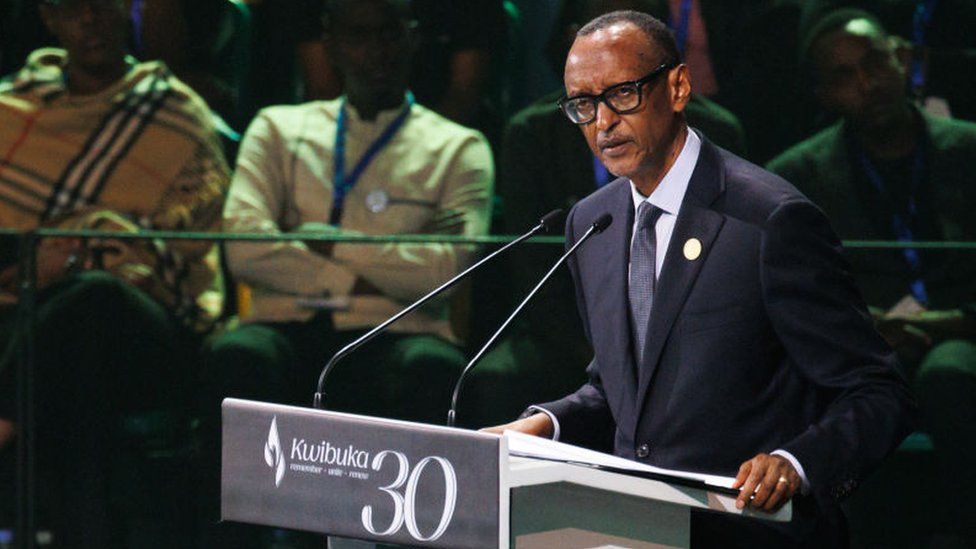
[[903, 50], [679, 86], [819, 94], [412, 37]]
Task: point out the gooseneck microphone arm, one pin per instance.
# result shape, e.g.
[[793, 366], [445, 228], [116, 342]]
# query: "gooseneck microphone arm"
[[597, 227], [544, 224]]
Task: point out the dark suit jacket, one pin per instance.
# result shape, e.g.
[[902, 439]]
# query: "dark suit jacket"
[[761, 343], [822, 168], [546, 163]]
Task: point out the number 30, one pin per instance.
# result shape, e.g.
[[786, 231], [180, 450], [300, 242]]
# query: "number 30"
[[404, 505]]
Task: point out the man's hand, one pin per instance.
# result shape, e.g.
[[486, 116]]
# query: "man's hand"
[[58, 257], [321, 247], [364, 287], [901, 333], [538, 425], [937, 324], [766, 482]]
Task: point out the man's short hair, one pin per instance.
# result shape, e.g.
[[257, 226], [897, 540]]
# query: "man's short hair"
[[657, 32], [830, 22], [332, 9]]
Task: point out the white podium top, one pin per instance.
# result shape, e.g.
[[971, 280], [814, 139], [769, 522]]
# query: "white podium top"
[[528, 471]]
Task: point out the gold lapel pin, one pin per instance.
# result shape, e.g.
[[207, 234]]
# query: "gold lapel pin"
[[693, 249]]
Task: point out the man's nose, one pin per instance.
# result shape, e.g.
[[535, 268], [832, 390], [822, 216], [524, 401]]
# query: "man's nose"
[[867, 81], [606, 118], [86, 13]]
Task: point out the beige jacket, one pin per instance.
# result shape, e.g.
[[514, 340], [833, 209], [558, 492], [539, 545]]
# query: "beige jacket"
[[431, 170]]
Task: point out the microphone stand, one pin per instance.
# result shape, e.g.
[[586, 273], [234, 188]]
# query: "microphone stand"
[[317, 402], [597, 227]]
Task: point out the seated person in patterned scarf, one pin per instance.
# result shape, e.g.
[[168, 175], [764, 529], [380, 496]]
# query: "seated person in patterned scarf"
[[89, 139]]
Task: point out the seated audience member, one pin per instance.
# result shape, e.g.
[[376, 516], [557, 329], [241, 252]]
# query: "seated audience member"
[[889, 171], [942, 64], [459, 51], [546, 164], [375, 162], [91, 140]]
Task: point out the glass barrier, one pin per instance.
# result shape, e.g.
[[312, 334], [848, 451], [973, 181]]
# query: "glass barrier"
[[150, 453]]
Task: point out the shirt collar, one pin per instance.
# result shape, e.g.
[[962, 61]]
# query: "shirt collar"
[[383, 117], [670, 192]]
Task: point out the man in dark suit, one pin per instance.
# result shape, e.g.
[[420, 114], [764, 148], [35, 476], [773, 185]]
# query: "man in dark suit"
[[752, 354], [545, 162]]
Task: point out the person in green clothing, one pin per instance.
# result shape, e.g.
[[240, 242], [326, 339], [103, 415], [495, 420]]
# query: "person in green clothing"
[[888, 171]]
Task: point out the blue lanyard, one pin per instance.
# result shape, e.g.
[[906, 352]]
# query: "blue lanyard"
[[902, 228], [135, 14], [601, 175], [920, 24], [341, 183], [681, 29]]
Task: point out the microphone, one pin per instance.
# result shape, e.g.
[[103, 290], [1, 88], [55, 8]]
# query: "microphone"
[[597, 227], [545, 224]]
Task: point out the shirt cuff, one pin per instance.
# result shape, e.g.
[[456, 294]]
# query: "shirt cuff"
[[804, 483], [552, 417]]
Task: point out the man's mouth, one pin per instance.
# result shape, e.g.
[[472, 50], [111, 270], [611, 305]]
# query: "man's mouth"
[[614, 146], [94, 43]]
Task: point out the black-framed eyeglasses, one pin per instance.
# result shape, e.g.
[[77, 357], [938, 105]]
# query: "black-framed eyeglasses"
[[622, 98]]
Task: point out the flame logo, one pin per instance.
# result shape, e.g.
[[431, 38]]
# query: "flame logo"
[[272, 452]]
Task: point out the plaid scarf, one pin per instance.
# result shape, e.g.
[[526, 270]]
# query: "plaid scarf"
[[142, 153]]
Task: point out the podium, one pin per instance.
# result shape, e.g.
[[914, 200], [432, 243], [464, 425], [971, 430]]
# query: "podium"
[[397, 482]]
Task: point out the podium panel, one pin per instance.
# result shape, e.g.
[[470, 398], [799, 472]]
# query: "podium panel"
[[396, 482], [596, 518], [361, 477]]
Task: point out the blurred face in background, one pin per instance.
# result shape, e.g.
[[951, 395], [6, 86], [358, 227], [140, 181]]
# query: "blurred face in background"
[[92, 31], [373, 44], [859, 75]]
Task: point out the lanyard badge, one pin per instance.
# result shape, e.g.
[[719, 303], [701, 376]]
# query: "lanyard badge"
[[901, 226], [343, 183]]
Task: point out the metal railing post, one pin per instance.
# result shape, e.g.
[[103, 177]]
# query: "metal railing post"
[[26, 530]]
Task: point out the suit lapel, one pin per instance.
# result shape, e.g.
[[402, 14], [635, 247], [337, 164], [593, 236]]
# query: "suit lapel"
[[678, 275], [613, 255]]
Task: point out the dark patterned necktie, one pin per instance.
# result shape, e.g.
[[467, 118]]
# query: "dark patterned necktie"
[[643, 255]]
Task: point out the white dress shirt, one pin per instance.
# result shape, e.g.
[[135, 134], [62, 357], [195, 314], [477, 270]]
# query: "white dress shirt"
[[668, 196]]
